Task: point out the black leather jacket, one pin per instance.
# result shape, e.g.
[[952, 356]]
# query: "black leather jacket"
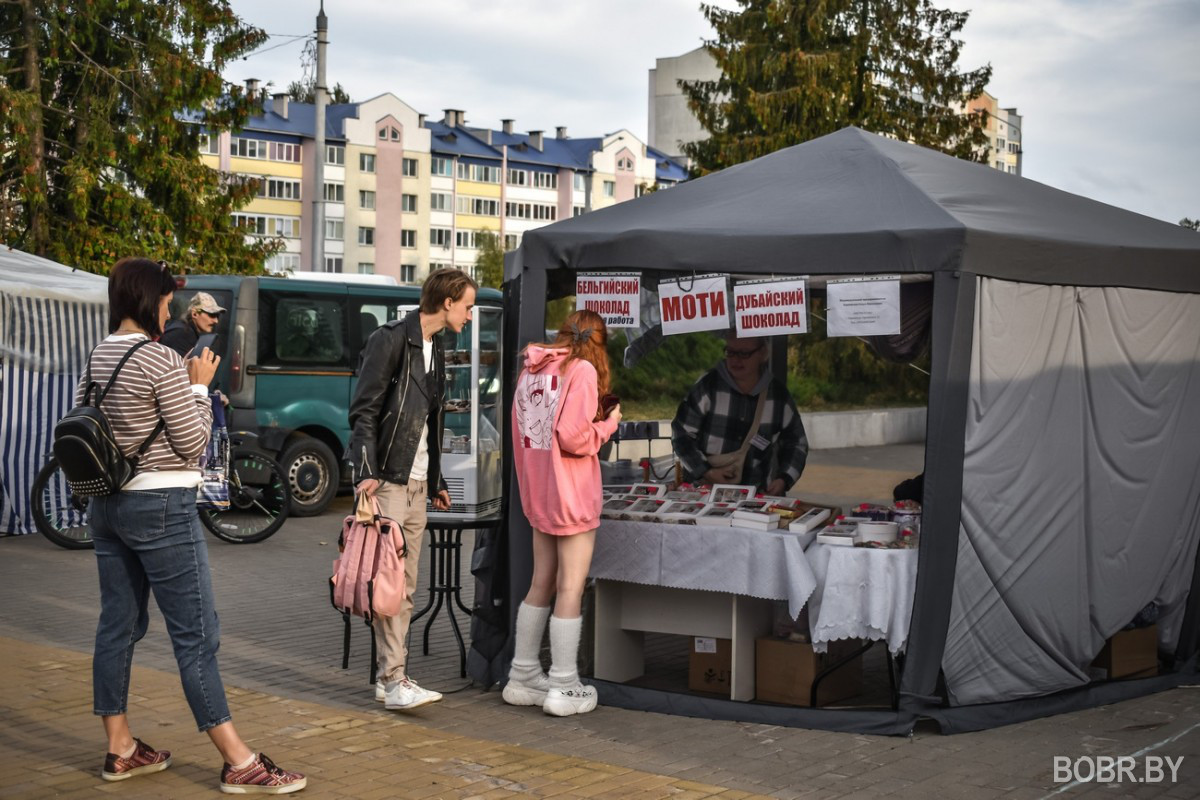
[[392, 403]]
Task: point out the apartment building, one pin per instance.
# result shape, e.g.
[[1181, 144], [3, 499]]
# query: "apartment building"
[[1003, 129], [403, 195]]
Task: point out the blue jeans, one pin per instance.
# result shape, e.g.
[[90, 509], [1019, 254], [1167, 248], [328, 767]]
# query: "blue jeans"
[[152, 541]]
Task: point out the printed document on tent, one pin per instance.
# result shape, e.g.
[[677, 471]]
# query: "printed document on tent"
[[863, 306], [615, 296], [770, 308], [694, 304]]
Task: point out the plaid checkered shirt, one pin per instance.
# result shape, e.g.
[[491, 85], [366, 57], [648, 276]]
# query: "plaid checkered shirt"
[[715, 417]]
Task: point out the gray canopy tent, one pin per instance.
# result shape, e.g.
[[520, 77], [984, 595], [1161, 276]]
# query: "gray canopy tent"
[[1061, 491]]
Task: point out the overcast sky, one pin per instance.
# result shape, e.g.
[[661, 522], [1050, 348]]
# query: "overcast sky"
[[1110, 91]]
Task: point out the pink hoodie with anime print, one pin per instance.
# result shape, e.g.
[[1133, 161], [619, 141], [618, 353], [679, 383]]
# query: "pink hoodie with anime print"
[[555, 442]]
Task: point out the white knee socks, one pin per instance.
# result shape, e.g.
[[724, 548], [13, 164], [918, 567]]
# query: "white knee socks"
[[531, 624], [564, 651]]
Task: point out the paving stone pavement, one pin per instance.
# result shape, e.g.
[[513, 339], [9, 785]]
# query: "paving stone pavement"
[[281, 649]]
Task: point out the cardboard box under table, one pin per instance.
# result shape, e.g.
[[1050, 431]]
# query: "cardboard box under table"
[[785, 672], [1130, 654], [710, 665]]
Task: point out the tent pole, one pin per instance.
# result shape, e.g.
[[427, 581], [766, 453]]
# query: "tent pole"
[[953, 332]]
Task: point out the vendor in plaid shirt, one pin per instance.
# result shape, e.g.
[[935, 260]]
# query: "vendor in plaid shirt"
[[717, 413]]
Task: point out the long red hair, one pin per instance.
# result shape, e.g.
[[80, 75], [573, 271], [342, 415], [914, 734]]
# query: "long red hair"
[[584, 335]]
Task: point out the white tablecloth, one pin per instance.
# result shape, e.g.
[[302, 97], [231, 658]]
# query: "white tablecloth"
[[734, 560], [863, 593]]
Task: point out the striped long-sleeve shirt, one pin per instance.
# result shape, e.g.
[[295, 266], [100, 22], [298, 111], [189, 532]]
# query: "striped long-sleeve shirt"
[[153, 385]]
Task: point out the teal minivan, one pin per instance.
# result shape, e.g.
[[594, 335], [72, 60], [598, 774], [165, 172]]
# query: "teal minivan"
[[289, 352]]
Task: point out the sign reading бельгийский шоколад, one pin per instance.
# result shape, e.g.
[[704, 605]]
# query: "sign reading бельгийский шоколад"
[[615, 296]]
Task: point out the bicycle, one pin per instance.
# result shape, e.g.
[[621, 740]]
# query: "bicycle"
[[259, 498]]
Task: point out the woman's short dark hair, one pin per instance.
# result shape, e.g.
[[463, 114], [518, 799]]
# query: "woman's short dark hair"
[[446, 283], [135, 288]]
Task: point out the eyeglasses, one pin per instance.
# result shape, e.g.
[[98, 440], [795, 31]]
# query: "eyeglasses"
[[740, 355]]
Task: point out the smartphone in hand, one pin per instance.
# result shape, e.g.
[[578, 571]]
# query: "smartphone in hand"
[[607, 402], [205, 340]]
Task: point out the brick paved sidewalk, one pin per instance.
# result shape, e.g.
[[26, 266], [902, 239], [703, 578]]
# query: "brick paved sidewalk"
[[53, 746]]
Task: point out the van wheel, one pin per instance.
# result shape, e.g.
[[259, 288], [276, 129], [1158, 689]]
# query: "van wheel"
[[312, 473]]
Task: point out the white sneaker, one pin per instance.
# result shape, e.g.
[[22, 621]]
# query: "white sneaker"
[[579, 699], [405, 695], [530, 692], [380, 690]]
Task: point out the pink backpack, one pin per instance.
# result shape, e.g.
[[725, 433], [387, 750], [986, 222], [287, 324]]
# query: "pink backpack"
[[368, 576]]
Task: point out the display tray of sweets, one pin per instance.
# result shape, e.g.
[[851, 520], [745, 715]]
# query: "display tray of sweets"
[[731, 493], [718, 515], [617, 489], [872, 512], [687, 495], [688, 508], [841, 535], [903, 543], [756, 520], [648, 489], [753, 505], [809, 520]]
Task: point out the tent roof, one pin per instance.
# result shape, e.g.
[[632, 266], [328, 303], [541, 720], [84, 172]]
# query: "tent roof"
[[856, 202], [28, 275]]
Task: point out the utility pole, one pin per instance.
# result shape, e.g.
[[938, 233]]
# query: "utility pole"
[[320, 99]]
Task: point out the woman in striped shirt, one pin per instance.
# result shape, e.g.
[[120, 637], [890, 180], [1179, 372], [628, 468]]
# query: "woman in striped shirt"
[[148, 535]]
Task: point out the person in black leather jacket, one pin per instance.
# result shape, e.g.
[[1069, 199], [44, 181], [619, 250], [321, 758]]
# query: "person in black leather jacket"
[[395, 448]]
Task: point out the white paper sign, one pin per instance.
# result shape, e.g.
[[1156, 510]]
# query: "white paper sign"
[[615, 296], [770, 308], [694, 304], [863, 306]]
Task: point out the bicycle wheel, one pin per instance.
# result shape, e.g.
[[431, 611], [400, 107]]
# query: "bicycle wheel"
[[59, 515], [258, 500]]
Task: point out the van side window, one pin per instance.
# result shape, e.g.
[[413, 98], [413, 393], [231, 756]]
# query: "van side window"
[[302, 330]]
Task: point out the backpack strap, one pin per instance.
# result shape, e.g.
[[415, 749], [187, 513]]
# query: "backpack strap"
[[100, 395]]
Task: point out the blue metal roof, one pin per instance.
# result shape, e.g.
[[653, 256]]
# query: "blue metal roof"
[[458, 142], [666, 168]]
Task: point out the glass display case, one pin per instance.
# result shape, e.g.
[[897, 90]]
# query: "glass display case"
[[474, 424]]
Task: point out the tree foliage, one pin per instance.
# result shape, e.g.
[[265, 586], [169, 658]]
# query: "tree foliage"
[[489, 260], [306, 92], [1194, 224], [102, 103], [793, 70]]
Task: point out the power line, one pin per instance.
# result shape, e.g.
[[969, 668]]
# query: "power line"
[[288, 40]]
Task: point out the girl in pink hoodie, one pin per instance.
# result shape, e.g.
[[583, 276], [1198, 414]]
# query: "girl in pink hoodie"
[[557, 432]]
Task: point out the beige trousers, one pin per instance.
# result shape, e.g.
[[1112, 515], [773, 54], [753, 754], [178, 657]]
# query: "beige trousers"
[[405, 503]]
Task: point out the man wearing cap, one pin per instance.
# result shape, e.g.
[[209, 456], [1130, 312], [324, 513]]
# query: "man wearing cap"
[[202, 316]]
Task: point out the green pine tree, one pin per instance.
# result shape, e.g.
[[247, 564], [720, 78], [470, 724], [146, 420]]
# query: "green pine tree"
[[102, 103], [794, 70]]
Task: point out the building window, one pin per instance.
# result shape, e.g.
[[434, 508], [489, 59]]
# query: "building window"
[[408, 273], [512, 241], [440, 201], [545, 180], [624, 163], [518, 177], [279, 188], [479, 206], [576, 211], [480, 173], [1012, 170], [439, 237], [408, 202], [442, 166], [467, 239], [366, 162], [1000, 145], [282, 151], [283, 262], [539, 211], [610, 188], [366, 199], [366, 237], [266, 225], [389, 132], [579, 181], [366, 268], [410, 168], [208, 144], [335, 192], [408, 238], [335, 154], [333, 263], [335, 229]]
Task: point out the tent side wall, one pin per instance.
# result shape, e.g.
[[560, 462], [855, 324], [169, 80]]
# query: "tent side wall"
[[1079, 501], [44, 346]]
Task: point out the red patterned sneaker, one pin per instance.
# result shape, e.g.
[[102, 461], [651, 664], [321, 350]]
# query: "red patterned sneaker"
[[261, 777], [145, 759]]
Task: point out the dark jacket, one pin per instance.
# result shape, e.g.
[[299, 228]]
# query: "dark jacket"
[[393, 401], [180, 336]]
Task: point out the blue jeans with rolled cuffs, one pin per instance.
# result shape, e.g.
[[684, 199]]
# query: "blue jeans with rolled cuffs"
[[151, 541]]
